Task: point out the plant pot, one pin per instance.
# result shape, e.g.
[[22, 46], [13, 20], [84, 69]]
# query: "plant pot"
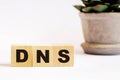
[[101, 32]]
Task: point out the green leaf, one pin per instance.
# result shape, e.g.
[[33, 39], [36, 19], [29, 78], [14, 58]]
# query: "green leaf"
[[95, 2], [79, 7], [115, 7], [118, 1], [87, 9], [110, 1], [100, 8], [86, 2], [108, 4]]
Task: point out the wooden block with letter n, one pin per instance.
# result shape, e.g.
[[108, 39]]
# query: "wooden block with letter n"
[[21, 56], [63, 55], [42, 56]]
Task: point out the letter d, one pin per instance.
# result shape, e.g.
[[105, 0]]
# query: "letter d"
[[18, 55]]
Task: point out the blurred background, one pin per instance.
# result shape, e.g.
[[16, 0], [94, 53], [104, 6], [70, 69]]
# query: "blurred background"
[[31, 22]]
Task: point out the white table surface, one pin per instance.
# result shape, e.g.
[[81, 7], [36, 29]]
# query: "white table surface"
[[86, 67]]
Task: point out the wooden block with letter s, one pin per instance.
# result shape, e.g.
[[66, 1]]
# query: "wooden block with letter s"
[[63, 55]]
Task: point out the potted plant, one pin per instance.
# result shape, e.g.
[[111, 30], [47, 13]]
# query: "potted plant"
[[101, 26]]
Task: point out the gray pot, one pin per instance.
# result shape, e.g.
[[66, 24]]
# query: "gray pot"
[[101, 33]]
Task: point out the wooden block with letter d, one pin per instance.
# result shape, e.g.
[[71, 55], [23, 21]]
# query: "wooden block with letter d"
[[42, 56], [63, 55], [21, 56]]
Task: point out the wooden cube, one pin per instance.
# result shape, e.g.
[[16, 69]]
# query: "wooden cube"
[[21, 56], [42, 56], [63, 56]]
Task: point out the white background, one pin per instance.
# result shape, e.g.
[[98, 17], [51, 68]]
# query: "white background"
[[31, 22]]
